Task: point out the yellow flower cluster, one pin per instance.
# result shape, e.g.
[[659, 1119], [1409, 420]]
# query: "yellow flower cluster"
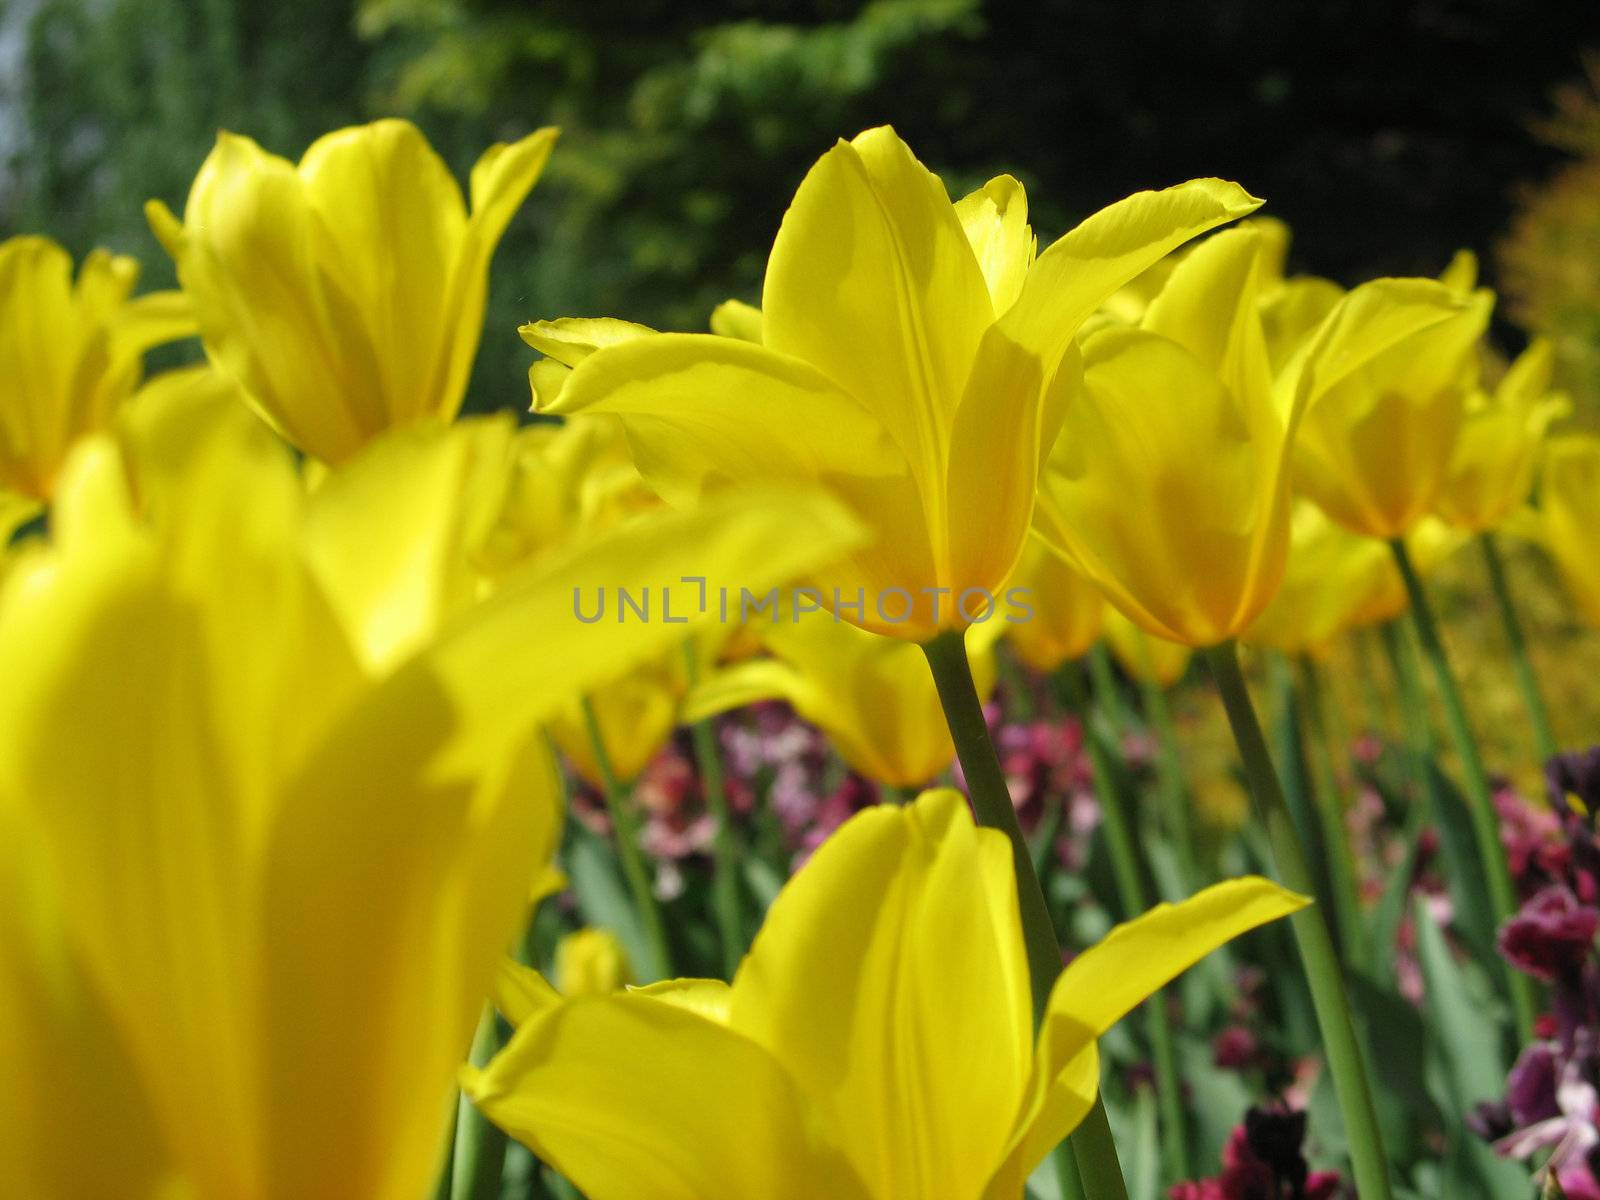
[[277, 676]]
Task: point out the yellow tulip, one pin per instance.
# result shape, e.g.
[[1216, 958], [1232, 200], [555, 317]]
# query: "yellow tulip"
[[1168, 484], [1067, 612], [591, 962], [345, 295], [1143, 656], [1384, 401], [1337, 581], [876, 1043], [70, 353], [280, 842], [1492, 469], [1568, 518], [913, 358], [872, 696]]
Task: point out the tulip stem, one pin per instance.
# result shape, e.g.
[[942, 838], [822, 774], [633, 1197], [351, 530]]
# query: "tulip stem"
[[479, 1157], [1544, 737], [724, 849], [1326, 798], [626, 828], [1093, 1148], [1129, 877], [1345, 1062], [1480, 796], [1169, 766]]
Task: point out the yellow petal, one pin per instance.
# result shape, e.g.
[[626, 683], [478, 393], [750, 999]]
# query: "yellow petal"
[[63, 1068], [591, 962], [703, 412], [995, 219], [756, 539], [391, 534], [872, 281], [389, 229], [1139, 957], [1112, 977], [570, 340], [502, 178], [631, 1097], [1080, 270], [1166, 490], [449, 855], [1379, 394], [899, 940], [736, 319], [521, 992], [1143, 656], [1209, 306], [1569, 513]]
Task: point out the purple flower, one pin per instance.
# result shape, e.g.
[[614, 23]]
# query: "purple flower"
[[1569, 1133], [1551, 936]]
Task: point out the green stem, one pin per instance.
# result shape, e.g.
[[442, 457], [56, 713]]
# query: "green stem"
[[1326, 797], [1522, 662], [986, 785], [725, 901], [1345, 1062], [1169, 777], [1129, 877], [479, 1158], [626, 828], [1480, 797]]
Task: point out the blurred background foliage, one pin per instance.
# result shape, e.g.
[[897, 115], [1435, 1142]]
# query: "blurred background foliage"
[[1386, 134]]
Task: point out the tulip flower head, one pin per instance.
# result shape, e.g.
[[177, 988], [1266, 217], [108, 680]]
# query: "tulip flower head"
[[71, 353], [877, 1042], [1568, 518], [256, 809], [1384, 382], [1492, 469], [345, 295], [1168, 484], [913, 358]]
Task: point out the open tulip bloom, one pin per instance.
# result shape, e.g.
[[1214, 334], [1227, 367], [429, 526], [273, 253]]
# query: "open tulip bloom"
[[877, 1042], [914, 358], [258, 855], [71, 352], [345, 295]]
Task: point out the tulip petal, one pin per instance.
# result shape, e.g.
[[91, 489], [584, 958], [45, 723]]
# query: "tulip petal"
[[632, 1096], [502, 178], [754, 539], [1139, 957], [390, 533], [703, 412], [1210, 306], [743, 684], [873, 282], [427, 867], [736, 319], [899, 940], [1081, 269], [1112, 977], [521, 993], [570, 340], [995, 219], [63, 1067], [1199, 555], [245, 253]]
